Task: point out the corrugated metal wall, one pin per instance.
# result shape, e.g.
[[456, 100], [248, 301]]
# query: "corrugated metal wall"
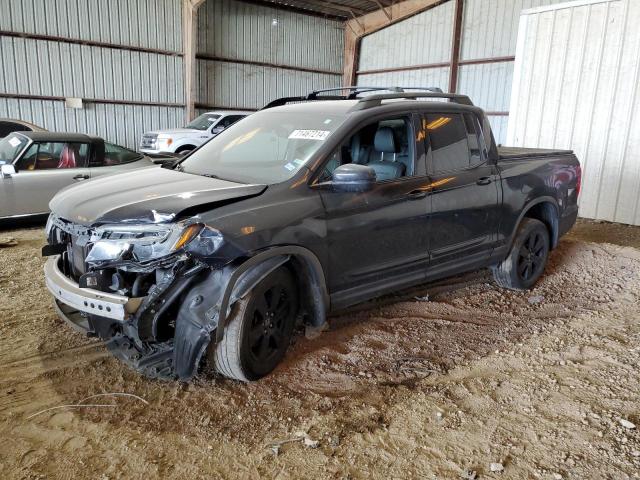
[[577, 85], [133, 55], [424, 39], [244, 50], [489, 32]]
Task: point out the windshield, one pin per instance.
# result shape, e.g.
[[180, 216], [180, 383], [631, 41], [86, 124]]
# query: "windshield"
[[266, 147], [10, 147], [203, 121]]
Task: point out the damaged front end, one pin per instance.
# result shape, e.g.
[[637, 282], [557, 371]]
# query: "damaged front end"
[[151, 292]]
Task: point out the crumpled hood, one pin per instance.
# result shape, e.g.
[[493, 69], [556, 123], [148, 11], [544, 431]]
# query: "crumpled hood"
[[147, 195]]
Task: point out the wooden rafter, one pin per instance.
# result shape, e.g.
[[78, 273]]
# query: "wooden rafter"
[[323, 6]]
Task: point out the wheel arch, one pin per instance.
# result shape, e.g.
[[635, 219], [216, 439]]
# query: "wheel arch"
[[185, 146], [544, 209], [304, 264]]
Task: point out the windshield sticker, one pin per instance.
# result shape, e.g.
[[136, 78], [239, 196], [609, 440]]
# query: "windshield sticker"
[[14, 142], [290, 166], [297, 162], [310, 134]]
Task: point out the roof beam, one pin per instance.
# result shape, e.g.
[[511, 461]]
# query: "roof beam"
[[189, 34], [323, 6], [455, 46], [383, 8]]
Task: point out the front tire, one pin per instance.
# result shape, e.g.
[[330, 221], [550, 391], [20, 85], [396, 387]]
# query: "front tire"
[[527, 258], [182, 151], [259, 330]]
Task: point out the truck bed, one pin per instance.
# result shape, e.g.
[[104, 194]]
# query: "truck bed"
[[510, 153]]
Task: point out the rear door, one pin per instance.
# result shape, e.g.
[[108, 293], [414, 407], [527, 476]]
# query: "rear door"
[[464, 197], [43, 170]]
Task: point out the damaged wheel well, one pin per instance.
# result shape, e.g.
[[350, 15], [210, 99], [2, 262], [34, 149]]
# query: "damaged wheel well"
[[209, 302], [304, 265]]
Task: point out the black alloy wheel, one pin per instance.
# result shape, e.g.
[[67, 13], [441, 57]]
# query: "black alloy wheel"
[[527, 258], [269, 325], [532, 256]]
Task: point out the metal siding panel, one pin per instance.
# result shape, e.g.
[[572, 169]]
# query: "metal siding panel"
[[246, 31], [499, 127], [39, 67], [584, 95], [433, 77], [243, 86], [490, 27], [259, 33], [488, 85], [140, 23], [120, 124], [422, 39]]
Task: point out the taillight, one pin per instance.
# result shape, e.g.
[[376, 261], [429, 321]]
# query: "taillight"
[[578, 179]]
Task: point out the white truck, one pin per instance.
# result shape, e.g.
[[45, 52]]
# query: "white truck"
[[183, 140]]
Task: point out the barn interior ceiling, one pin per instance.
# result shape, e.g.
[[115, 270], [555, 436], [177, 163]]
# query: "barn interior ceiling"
[[343, 9]]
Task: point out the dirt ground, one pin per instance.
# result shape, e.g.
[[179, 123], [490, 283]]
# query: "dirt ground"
[[438, 382]]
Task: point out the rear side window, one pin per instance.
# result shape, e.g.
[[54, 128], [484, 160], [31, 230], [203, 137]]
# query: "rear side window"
[[117, 155], [448, 142]]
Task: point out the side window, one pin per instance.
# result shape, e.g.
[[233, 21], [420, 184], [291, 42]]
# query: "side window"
[[387, 146], [28, 160], [54, 155], [229, 120], [473, 137], [117, 155], [447, 141]]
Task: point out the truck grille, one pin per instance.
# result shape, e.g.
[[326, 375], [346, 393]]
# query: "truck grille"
[[148, 140]]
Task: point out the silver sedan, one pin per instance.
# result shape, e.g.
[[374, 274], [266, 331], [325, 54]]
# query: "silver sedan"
[[34, 166]]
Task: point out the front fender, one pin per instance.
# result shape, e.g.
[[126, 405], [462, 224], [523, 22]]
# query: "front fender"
[[208, 303], [181, 142]]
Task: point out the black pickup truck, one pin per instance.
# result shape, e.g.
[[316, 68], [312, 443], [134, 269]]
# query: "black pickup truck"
[[309, 206]]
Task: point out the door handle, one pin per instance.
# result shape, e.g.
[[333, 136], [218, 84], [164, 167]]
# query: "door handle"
[[81, 177], [484, 181], [416, 194]]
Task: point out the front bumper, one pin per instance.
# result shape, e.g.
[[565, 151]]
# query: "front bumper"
[[103, 304]]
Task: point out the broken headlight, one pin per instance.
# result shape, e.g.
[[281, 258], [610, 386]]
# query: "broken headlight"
[[142, 243]]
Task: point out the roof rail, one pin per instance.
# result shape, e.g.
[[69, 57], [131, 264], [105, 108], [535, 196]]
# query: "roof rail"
[[376, 100], [353, 92]]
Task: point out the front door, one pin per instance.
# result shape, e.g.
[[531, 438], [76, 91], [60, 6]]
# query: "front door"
[[378, 238], [464, 196], [43, 170]]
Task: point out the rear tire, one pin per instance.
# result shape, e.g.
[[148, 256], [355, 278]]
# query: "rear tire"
[[259, 330], [527, 258]]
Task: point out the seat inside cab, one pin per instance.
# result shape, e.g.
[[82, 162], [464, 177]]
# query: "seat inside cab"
[[383, 145]]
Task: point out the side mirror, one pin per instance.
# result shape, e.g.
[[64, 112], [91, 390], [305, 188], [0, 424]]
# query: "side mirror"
[[353, 177], [7, 171], [217, 130]]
